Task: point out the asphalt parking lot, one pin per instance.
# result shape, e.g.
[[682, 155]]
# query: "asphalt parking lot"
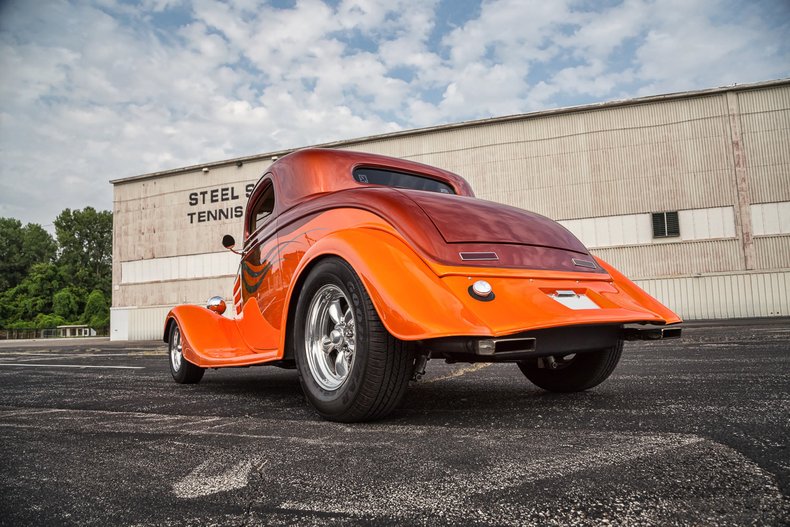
[[689, 432]]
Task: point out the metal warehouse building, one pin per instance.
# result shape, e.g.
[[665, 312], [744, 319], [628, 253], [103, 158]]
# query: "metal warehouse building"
[[688, 194]]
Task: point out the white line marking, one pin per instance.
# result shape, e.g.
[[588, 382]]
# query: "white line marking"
[[213, 476], [458, 485], [151, 423], [49, 356], [28, 412], [27, 365]]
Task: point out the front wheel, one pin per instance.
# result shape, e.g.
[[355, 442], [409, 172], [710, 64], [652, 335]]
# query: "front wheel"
[[350, 368], [573, 372], [183, 371]]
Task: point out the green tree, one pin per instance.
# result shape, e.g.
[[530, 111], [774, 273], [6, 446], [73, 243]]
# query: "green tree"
[[12, 268], [33, 296], [45, 283], [85, 240], [8, 310], [20, 248], [97, 310], [65, 304], [43, 321]]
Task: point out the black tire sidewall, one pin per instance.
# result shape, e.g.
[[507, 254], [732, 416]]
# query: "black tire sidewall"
[[336, 272], [180, 374], [588, 369], [188, 373]]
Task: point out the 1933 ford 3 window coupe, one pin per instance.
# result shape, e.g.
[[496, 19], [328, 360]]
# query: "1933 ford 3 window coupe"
[[357, 268]]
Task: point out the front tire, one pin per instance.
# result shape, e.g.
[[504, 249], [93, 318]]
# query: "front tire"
[[183, 371], [573, 372], [350, 368]]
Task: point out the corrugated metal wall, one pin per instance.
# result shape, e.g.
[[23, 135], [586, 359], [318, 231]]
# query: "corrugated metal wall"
[[172, 268], [765, 119], [772, 252], [171, 293], [674, 259], [724, 296], [147, 323]]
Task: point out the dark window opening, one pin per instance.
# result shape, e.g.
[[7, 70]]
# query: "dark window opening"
[[263, 208], [666, 224], [389, 178]]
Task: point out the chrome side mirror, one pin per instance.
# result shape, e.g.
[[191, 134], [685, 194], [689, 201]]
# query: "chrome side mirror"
[[216, 304], [229, 242]]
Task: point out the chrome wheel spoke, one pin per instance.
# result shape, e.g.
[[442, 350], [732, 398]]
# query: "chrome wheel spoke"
[[341, 364], [175, 349], [335, 312], [330, 337]]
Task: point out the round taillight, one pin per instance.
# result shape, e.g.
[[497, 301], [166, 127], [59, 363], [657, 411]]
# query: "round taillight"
[[481, 290]]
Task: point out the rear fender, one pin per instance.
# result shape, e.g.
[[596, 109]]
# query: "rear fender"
[[411, 300], [639, 296]]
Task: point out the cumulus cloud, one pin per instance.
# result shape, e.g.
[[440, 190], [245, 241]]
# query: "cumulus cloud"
[[93, 91]]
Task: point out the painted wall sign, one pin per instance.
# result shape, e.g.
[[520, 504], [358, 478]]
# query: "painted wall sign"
[[219, 195]]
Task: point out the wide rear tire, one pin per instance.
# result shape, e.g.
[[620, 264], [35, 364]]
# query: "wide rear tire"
[[574, 373], [350, 368]]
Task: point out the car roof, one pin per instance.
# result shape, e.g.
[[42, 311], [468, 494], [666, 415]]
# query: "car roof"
[[312, 171]]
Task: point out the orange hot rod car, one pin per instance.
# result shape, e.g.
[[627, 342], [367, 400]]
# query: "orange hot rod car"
[[356, 269]]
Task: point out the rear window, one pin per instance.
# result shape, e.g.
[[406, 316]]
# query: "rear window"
[[389, 178]]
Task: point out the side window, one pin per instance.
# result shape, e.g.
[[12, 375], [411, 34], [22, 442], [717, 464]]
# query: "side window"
[[262, 209]]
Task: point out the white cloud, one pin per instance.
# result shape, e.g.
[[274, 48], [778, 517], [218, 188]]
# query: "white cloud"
[[684, 47], [101, 90]]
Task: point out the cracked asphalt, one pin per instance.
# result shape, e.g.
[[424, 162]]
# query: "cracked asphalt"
[[685, 432]]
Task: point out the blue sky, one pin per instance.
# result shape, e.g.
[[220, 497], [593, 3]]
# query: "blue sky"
[[98, 90]]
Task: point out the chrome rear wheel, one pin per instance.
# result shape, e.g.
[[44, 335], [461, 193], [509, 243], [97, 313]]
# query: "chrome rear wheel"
[[349, 366], [330, 337]]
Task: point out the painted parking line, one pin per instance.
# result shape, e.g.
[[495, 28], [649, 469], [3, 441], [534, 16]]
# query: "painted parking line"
[[29, 357], [214, 476], [29, 365]]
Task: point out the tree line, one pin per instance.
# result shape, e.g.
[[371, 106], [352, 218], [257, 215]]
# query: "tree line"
[[47, 282]]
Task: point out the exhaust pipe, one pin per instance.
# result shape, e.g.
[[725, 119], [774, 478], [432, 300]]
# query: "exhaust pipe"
[[651, 333], [504, 347]]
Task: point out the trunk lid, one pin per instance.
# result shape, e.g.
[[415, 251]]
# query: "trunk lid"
[[460, 219]]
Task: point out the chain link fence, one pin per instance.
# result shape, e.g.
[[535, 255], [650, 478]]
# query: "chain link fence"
[[52, 333]]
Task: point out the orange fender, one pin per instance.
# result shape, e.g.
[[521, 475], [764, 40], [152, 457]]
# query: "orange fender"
[[411, 300], [639, 295], [211, 340]]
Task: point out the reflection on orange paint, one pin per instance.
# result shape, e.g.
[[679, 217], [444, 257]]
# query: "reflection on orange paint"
[[415, 278]]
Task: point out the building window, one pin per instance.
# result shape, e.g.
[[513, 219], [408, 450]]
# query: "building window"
[[665, 224]]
